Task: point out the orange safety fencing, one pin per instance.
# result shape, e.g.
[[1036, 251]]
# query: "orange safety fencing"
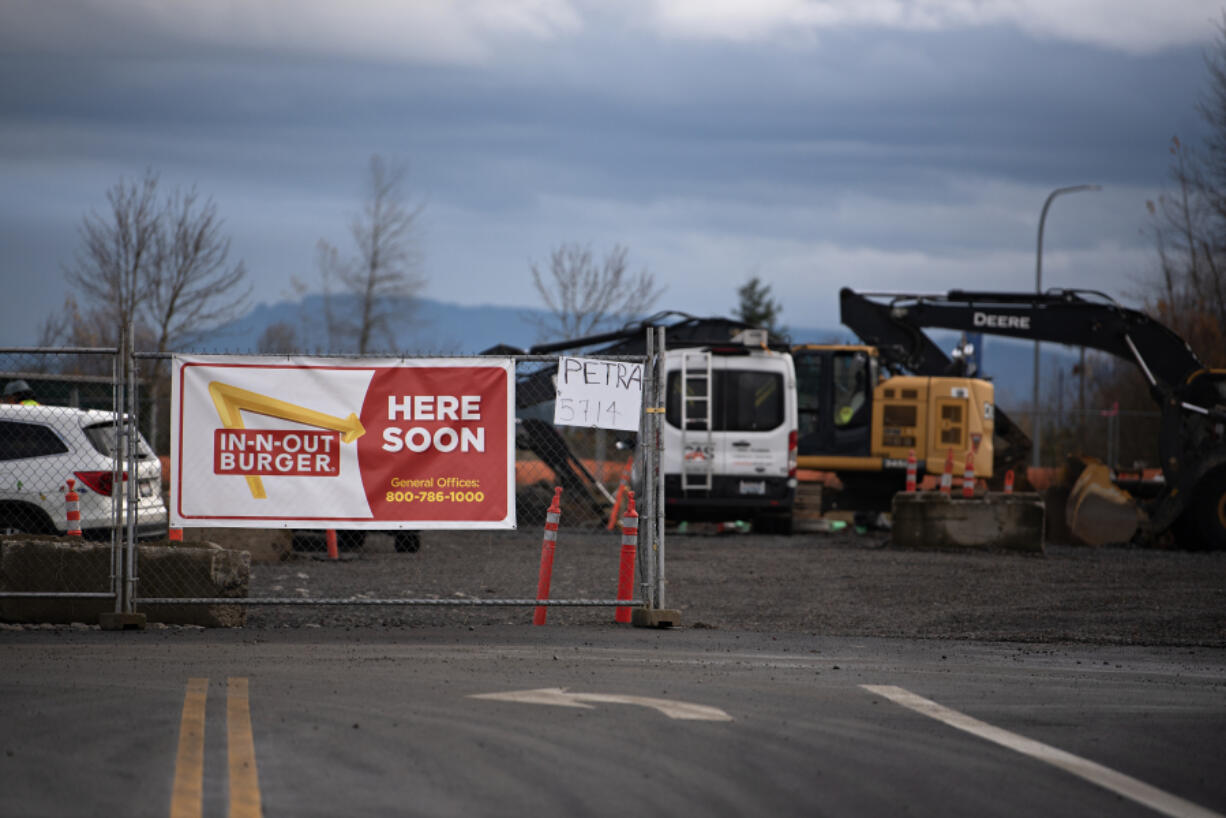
[[528, 472]]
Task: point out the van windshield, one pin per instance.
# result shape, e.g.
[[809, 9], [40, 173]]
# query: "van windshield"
[[742, 401]]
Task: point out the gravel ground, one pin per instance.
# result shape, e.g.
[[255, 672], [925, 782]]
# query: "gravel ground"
[[840, 584]]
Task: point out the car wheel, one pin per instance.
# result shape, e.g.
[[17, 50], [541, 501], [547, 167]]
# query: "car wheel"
[[1204, 522], [408, 542], [17, 518]]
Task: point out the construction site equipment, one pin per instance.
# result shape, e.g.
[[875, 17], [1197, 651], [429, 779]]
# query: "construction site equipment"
[[862, 419], [540, 437], [1190, 504]]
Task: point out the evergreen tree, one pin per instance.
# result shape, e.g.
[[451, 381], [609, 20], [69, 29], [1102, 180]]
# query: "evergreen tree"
[[756, 306]]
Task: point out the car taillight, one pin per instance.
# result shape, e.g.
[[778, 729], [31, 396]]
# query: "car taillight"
[[99, 482], [793, 441]]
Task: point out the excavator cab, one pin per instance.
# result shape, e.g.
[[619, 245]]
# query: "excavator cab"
[[834, 384]]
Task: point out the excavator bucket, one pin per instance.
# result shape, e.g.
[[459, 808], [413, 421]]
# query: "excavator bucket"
[[1097, 511]]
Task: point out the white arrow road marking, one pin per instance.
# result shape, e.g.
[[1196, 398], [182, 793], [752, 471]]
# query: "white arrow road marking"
[[1105, 777], [560, 697]]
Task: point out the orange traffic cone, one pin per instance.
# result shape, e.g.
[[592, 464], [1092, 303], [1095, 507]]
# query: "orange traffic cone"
[[72, 503]]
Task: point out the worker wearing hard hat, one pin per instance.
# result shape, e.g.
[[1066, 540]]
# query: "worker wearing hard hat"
[[19, 392]]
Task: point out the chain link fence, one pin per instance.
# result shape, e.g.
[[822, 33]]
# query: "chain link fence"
[[1124, 439], [63, 480], [227, 571], [71, 411]]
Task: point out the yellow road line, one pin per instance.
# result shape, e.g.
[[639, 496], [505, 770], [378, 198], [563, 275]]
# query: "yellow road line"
[[186, 799], [244, 781]]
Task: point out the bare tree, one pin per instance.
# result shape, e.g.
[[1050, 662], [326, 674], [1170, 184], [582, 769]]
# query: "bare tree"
[[56, 328], [585, 297], [1212, 109], [119, 253], [1188, 290], [72, 326], [381, 279], [193, 286], [159, 267]]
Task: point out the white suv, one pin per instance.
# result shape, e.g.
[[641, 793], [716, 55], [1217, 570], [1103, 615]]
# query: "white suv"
[[43, 447]]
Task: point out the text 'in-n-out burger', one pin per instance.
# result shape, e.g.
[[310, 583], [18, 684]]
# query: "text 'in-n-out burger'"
[[276, 452]]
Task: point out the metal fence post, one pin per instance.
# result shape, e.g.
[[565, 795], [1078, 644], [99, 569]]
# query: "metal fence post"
[[130, 485], [655, 614], [647, 459], [657, 452], [118, 464]]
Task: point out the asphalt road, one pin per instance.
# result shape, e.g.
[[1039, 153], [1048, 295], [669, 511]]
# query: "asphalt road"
[[622, 722]]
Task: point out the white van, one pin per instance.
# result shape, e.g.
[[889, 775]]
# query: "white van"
[[730, 433]]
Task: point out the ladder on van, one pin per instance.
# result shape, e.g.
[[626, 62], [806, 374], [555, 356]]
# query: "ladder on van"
[[697, 466]]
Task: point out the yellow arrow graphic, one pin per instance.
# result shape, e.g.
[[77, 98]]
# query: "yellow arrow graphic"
[[231, 402]]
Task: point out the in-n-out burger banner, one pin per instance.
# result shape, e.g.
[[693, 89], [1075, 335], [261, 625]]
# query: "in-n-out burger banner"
[[332, 443]]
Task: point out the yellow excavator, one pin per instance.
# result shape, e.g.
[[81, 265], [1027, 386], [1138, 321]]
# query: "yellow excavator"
[[863, 408], [862, 423]]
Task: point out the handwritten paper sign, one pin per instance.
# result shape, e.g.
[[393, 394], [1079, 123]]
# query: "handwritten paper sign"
[[599, 394]]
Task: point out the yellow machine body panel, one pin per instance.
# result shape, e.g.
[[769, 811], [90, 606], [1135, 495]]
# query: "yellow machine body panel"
[[933, 416]]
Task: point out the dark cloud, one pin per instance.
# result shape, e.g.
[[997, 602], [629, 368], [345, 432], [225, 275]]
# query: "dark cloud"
[[866, 139]]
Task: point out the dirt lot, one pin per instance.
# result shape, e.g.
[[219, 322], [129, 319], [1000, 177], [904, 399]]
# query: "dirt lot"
[[832, 584]]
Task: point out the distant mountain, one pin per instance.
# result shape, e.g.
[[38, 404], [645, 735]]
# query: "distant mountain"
[[439, 328], [428, 328]]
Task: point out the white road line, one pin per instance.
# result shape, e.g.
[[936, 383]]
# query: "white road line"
[[1107, 778], [560, 697]]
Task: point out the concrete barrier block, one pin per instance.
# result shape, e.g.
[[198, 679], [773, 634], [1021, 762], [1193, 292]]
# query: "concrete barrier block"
[[164, 570], [62, 565], [189, 569], [655, 618], [807, 509], [995, 521]]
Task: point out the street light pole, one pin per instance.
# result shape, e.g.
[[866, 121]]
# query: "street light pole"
[[1038, 289]]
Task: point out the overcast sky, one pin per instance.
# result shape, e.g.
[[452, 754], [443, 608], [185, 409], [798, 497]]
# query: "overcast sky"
[[882, 144]]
